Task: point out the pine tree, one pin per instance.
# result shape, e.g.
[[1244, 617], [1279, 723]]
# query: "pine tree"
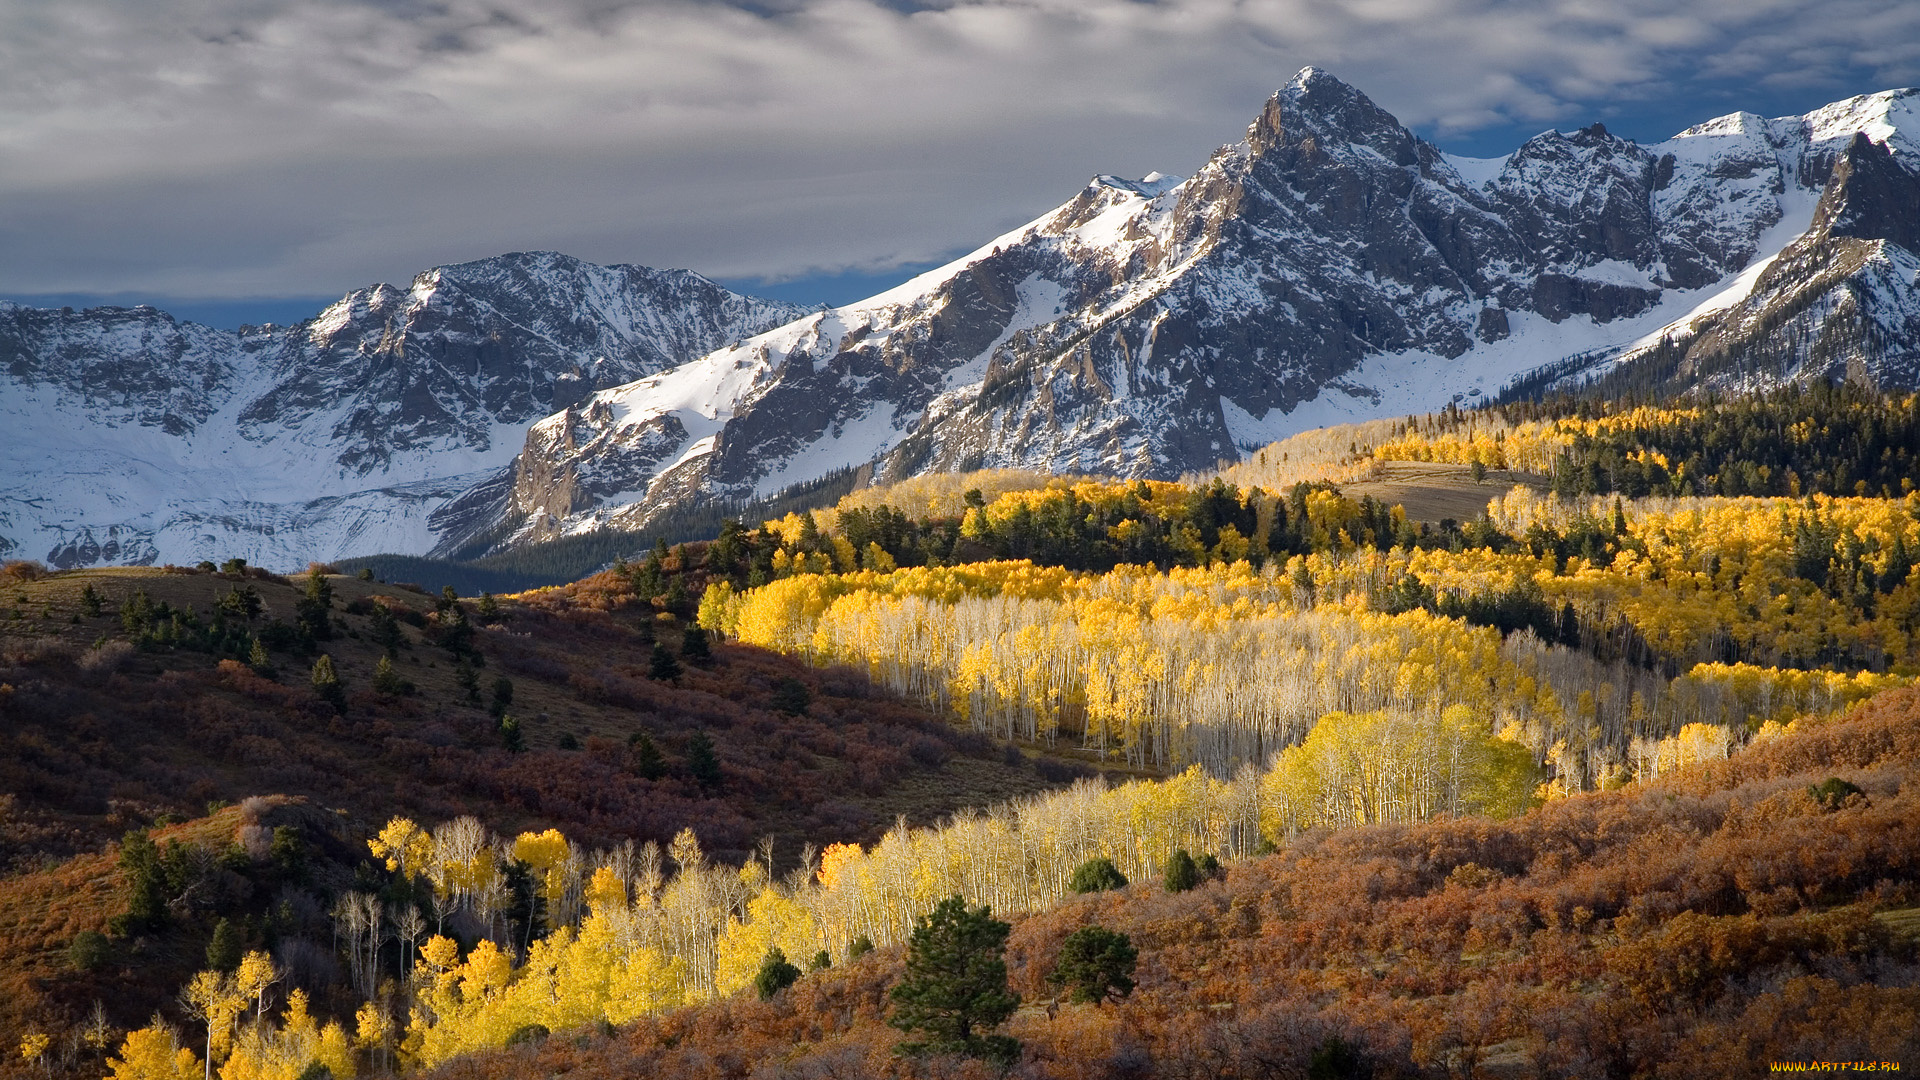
[[702, 763], [241, 603], [456, 633], [502, 694], [1096, 875], [1181, 873], [386, 629], [312, 608], [90, 601], [647, 761], [1095, 964], [259, 661], [510, 736], [662, 665], [859, 947], [775, 975], [226, 947], [387, 681], [146, 884], [136, 613], [693, 645], [488, 609], [326, 683], [649, 580], [955, 987]]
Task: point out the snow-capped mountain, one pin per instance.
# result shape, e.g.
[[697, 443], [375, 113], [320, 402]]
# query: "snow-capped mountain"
[[130, 437], [1327, 267]]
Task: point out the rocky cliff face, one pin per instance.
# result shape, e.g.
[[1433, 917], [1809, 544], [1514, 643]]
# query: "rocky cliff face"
[[1838, 302], [1329, 266], [133, 437]]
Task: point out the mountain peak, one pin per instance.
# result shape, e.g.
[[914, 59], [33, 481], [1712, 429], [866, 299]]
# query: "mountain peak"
[[1307, 76], [1869, 197], [1316, 104]]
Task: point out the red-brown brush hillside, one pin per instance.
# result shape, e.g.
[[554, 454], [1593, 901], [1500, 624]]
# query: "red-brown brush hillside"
[[1700, 926], [98, 737]]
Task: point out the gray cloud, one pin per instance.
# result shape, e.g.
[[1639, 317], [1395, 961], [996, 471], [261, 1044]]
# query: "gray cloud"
[[269, 147]]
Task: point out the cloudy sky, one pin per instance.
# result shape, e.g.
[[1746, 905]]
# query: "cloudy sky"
[[248, 156]]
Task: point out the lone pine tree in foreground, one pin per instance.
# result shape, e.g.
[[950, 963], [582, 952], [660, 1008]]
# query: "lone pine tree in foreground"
[[956, 984]]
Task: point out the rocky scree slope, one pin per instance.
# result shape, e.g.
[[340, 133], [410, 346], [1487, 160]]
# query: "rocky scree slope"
[[133, 438], [1329, 266]]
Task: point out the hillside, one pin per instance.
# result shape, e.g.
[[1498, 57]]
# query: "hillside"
[[102, 737], [98, 736], [1701, 925]]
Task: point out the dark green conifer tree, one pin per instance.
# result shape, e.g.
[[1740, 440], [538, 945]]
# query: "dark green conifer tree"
[[702, 763], [468, 681], [955, 988], [662, 665], [1096, 875], [693, 645], [311, 610], [1095, 964], [1181, 873], [648, 763], [388, 681], [223, 951], [775, 975], [790, 696]]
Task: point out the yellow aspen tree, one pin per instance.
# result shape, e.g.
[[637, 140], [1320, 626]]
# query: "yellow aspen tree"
[[214, 999], [153, 1053], [33, 1048], [373, 1031], [546, 854], [251, 980], [404, 846]]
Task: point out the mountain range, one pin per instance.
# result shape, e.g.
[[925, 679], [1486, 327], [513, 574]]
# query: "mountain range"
[[1328, 266]]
